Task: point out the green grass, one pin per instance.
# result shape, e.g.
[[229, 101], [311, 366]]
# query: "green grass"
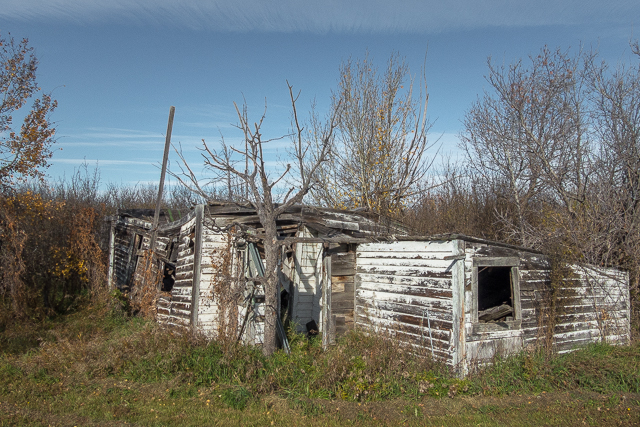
[[100, 367], [599, 368]]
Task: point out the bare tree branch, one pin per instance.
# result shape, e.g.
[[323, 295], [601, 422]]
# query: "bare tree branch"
[[260, 187]]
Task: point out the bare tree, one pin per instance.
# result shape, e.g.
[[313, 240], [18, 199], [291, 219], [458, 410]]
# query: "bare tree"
[[379, 157], [529, 137], [615, 209], [247, 165]]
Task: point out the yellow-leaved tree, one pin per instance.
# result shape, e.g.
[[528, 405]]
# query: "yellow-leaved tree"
[[24, 152], [26, 137], [379, 153]]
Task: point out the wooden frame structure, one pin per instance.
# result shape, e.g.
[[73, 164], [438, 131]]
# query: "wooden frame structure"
[[341, 270]]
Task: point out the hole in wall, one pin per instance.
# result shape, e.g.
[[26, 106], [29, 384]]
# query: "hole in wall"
[[168, 277], [495, 294]]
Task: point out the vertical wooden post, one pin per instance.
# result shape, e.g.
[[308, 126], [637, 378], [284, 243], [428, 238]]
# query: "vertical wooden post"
[[328, 329], [458, 339], [111, 282], [197, 266], [165, 158]]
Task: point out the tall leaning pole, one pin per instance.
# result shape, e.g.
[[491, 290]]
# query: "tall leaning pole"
[[165, 159]]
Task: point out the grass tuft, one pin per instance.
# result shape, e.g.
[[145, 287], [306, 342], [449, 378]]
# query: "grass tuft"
[[236, 397]]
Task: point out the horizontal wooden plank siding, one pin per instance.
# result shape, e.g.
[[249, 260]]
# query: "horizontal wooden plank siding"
[[127, 237], [449, 294], [122, 263], [218, 307], [591, 304], [174, 309], [595, 306], [484, 341], [402, 288]]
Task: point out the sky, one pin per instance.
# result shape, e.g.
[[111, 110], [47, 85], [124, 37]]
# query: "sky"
[[117, 67]]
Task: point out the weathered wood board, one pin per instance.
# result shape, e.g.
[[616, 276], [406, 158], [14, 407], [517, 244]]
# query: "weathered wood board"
[[404, 288]]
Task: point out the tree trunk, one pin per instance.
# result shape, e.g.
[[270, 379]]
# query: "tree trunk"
[[270, 288]]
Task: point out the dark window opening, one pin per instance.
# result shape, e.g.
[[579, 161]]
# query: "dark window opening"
[[168, 277], [495, 294], [173, 252], [192, 237]]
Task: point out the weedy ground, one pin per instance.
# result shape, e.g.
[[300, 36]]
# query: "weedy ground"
[[100, 366]]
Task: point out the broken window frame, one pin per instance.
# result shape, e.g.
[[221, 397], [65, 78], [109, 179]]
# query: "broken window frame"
[[514, 264], [171, 276]]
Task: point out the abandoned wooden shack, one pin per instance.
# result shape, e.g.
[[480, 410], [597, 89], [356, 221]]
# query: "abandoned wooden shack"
[[468, 299], [464, 299], [203, 263]]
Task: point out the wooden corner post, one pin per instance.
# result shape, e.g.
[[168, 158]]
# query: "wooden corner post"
[[197, 266]]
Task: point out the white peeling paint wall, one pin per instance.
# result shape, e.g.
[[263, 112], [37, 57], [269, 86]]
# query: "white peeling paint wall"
[[593, 305], [482, 346], [176, 309], [597, 309], [402, 288], [307, 299], [215, 251]]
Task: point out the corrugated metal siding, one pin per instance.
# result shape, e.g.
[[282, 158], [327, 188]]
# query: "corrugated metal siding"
[[401, 287]]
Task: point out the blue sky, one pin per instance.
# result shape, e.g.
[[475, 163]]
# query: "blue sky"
[[116, 67]]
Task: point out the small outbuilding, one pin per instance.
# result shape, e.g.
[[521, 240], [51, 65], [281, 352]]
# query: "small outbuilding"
[[464, 299]]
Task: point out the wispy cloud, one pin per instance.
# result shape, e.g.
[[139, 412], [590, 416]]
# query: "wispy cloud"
[[207, 125], [117, 133], [321, 16], [117, 137], [99, 162], [118, 143]]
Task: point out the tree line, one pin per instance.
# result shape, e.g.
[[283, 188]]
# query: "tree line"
[[550, 160]]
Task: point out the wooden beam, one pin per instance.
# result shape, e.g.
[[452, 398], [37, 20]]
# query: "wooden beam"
[[197, 267], [163, 172]]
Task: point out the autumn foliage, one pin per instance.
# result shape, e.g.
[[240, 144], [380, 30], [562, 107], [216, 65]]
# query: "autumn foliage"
[[50, 255], [24, 151], [379, 153]]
